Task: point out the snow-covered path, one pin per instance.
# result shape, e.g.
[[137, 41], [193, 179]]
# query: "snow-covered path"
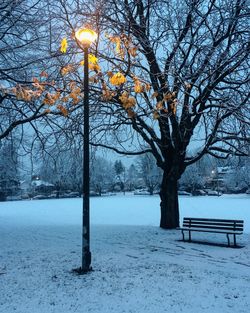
[[136, 268]]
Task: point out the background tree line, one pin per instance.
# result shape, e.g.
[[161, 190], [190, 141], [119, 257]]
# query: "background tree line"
[[59, 173]]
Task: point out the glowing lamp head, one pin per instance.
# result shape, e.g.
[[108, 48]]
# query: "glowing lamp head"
[[86, 36]]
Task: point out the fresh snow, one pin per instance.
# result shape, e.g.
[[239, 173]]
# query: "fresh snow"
[[138, 267]]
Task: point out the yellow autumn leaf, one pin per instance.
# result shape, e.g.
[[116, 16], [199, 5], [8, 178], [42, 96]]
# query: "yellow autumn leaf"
[[124, 96], [139, 88], [110, 74], [131, 113], [76, 90], [107, 94], [118, 45], [44, 74], [131, 102], [156, 115], [127, 102], [93, 63], [117, 79], [94, 67], [133, 51], [51, 98], [117, 41], [93, 79], [21, 93], [37, 84], [65, 99], [67, 69], [63, 110], [35, 80], [154, 95], [27, 95], [93, 59], [56, 95], [147, 87], [64, 45], [168, 96], [188, 85], [159, 105], [74, 97]]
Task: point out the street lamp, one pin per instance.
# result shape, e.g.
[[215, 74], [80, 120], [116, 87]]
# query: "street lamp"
[[85, 37]]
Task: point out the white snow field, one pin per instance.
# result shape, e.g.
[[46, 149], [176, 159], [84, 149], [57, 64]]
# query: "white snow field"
[[137, 267]]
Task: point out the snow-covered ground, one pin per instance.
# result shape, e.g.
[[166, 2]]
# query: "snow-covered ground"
[[138, 267]]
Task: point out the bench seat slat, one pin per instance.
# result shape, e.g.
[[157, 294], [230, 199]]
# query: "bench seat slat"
[[213, 227], [205, 230]]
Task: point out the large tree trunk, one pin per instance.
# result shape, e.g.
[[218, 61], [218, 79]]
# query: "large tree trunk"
[[169, 201]]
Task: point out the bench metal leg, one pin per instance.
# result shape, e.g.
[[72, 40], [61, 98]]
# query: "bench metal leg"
[[228, 240], [234, 240], [189, 236], [183, 237]]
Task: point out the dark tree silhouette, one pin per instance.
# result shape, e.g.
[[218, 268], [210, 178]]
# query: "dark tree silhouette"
[[186, 87]]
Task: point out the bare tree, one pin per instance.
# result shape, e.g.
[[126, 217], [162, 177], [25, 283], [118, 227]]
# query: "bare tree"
[[238, 177], [61, 166], [133, 177], [175, 76], [9, 169], [29, 55], [102, 176], [150, 173], [19, 24]]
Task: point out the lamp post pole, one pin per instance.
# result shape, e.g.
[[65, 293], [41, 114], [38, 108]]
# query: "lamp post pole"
[[85, 37], [86, 254]]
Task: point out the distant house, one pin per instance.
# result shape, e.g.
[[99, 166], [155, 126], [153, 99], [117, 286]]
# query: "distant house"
[[40, 186], [224, 170], [216, 180]]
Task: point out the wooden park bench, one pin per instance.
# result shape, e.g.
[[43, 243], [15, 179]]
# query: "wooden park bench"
[[209, 225]]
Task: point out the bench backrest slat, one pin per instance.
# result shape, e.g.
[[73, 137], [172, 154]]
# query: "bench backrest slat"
[[211, 219], [214, 223]]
